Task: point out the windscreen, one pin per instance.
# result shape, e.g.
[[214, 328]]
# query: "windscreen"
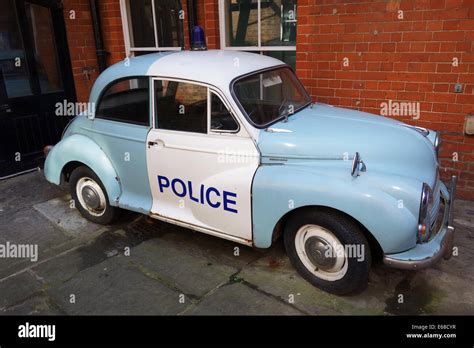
[[270, 95]]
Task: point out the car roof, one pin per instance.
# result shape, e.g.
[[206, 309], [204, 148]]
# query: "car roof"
[[214, 67]]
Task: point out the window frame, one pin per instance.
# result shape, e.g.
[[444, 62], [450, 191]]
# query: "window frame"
[[107, 87], [259, 48], [209, 111], [210, 89], [128, 31]]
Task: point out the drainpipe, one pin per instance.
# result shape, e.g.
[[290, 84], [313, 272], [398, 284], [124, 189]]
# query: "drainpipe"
[[99, 42], [192, 21]]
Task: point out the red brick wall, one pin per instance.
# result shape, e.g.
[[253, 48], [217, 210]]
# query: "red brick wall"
[[185, 25], [407, 59], [81, 45], [208, 18], [112, 31]]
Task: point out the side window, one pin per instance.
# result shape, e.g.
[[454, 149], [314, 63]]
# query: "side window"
[[221, 118], [181, 106], [126, 101]]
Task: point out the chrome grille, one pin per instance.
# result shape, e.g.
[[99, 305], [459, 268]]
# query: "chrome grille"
[[433, 214]]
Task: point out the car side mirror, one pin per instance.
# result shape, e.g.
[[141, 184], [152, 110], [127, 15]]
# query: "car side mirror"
[[357, 165]]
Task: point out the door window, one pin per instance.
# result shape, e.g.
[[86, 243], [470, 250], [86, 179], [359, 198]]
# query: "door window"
[[221, 118], [126, 101], [181, 106]]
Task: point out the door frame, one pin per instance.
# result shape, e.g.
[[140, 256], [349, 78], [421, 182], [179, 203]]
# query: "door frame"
[[41, 103], [241, 133]]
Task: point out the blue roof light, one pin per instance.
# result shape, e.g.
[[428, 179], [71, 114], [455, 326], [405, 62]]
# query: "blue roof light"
[[198, 39]]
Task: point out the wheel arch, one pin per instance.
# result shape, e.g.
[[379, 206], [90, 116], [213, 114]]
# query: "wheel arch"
[[79, 150], [375, 247], [69, 168]]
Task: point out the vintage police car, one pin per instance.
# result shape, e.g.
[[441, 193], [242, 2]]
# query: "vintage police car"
[[230, 144]]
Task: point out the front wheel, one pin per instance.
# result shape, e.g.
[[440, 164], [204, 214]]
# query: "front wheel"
[[90, 197], [329, 250]]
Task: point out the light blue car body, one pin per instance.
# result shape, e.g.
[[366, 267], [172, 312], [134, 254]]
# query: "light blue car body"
[[306, 163], [386, 198]]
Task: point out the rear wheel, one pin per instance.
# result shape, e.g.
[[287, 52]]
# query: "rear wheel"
[[329, 250], [90, 196]]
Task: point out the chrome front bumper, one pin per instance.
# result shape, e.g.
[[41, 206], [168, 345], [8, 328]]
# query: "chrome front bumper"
[[441, 246]]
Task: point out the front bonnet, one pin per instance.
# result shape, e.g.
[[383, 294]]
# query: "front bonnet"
[[323, 132]]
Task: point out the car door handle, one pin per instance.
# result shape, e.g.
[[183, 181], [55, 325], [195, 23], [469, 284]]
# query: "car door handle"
[[157, 142]]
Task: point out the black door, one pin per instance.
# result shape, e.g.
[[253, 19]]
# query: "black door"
[[35, 74]]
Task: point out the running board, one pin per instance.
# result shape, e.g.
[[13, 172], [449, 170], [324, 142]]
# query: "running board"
[[202, 229]]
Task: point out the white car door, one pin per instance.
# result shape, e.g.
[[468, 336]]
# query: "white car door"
[[201, 162]]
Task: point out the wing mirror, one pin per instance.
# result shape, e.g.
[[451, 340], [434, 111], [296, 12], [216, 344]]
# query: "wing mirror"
[[357, 165]]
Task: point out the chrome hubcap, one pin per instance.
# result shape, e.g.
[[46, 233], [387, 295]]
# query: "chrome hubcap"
[[90, 196], [320, 253]]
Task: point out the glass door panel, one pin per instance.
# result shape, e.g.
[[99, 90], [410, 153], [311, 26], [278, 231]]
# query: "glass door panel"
[[13, 61], [45, 53]]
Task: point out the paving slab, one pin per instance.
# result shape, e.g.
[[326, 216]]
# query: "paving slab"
[[274, 274], [215, 249], [443, 293], [108, 244], [464, 214], [36, 305], [239, 299], [62, 268], [28, 227], [114, 288], [17, 289], [60, 212], [24, 191], [188, 269], [461, 262]]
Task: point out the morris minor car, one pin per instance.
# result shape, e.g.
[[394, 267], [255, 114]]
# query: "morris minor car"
[[231, 144]]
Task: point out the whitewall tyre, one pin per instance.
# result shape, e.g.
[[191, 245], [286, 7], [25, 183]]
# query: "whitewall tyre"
[[90, 196], [329, 250]]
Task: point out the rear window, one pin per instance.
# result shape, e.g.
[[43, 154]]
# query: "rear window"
[[126, 101]]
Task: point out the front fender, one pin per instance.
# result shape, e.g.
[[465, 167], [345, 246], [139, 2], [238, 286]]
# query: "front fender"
[[79, 148], [387, 206]]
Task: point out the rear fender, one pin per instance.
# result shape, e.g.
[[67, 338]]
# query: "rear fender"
[[79, 148]]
